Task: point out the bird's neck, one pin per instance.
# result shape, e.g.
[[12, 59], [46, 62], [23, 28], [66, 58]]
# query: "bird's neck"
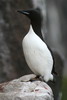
[[37, 30]]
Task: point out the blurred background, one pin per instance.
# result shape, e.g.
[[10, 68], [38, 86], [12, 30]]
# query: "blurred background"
[[13, 27]]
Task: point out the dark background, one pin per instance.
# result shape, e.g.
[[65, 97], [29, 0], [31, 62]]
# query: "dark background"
[[13, 28]]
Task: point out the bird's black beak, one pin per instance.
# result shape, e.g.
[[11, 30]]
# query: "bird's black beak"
[[25, 12]]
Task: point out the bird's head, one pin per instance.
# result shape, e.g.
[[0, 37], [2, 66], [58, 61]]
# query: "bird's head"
[[34, 15]]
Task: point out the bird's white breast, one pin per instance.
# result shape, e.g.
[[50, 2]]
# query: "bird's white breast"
[[37, 55]]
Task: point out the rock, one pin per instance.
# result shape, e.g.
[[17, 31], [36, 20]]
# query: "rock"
[[19, 90]]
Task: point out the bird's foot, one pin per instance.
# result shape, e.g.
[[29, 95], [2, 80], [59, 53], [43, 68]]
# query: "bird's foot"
[[27, 78], [42, 78], [37, 78]]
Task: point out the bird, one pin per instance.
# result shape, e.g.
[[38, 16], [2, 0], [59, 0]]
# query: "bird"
[[37, 54]]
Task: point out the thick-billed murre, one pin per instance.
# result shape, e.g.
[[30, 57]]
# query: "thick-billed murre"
[[36, 52]]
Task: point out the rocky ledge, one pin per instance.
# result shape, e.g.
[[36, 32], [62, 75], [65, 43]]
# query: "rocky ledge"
[[23, 89]]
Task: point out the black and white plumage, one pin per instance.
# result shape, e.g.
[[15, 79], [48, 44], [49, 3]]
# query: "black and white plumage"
[[36, 52]]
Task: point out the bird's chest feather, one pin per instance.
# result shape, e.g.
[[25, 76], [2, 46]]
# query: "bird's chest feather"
[[36, 53], [31, 47]]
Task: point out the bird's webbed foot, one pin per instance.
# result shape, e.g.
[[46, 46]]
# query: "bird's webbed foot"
[[37, 78]]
